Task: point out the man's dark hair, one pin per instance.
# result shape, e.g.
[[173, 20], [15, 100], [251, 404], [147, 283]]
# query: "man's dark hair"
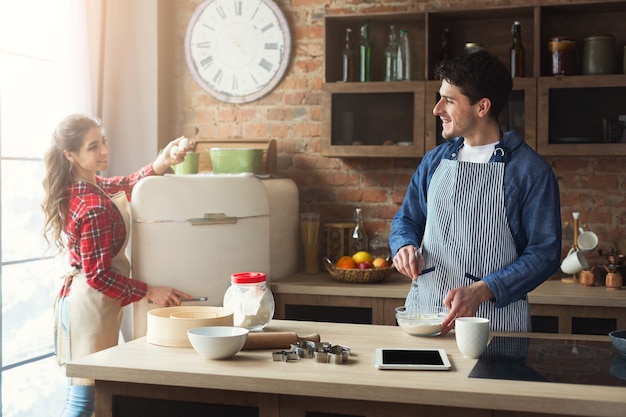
[[479, 75]]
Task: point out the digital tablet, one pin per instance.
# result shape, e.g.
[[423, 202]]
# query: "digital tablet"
[[412, 359]]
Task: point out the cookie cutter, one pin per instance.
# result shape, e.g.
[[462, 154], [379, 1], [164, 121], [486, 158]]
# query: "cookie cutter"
[[304, 348], [284, 356], [321, 352]]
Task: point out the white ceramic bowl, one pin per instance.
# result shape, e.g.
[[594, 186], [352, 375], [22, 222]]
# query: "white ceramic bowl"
[[425, 321], [217, 342]]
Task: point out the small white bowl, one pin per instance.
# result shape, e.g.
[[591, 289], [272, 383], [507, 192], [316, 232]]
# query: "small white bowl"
[[217, 342], [426, 321]]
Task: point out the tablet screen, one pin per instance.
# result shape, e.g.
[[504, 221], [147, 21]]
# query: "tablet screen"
[[398, 358]]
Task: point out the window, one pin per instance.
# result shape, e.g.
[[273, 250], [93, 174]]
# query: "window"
[[34, 96]]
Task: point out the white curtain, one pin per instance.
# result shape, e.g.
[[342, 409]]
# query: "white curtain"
[[77, 74], [128, 81]]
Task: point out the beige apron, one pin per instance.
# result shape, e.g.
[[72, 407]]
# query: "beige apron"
[[94, 318]]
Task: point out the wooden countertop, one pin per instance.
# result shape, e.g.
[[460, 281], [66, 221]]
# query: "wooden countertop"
[[553, 292], [396, 286], [254, 371]]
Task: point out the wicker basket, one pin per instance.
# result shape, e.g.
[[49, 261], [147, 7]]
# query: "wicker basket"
[[358, 276]]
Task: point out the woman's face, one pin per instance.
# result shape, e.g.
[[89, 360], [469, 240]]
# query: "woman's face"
[[92, 156]]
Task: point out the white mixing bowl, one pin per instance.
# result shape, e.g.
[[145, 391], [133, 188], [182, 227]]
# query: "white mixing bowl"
[[217, 342]]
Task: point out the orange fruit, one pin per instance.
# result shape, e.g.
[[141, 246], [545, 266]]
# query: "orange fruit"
[[380, 263], [346, 262]]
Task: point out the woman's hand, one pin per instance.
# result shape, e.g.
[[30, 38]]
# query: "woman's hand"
[[166, 296], [174, 153], [409, 261]]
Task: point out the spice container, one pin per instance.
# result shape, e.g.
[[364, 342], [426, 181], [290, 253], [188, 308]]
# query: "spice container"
[[599, 55], [561, 50], [251, 301]]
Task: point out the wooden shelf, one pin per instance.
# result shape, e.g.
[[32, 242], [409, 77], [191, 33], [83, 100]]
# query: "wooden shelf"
[[539, 108], [373, 119], [572, 110]]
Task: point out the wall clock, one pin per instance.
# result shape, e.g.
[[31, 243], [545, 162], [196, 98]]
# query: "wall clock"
[[238, 50]]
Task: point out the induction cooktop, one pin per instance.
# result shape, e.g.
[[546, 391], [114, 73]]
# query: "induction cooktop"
[[548, 360]]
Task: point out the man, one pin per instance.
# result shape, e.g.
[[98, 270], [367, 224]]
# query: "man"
[[480, 223]]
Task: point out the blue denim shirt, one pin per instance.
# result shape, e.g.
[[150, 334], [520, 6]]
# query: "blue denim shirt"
[[533, 209]]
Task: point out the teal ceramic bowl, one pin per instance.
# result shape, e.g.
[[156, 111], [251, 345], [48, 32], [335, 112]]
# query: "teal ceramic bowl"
[[618, 338], [235, 160]]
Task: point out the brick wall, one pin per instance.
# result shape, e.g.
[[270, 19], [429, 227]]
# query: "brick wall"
[[596, 187]]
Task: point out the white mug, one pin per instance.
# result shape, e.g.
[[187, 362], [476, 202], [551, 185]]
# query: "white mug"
[[574, 262], [587, 241], [472, 335]]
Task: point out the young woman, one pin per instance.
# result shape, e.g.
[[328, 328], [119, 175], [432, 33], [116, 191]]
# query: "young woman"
[[87, 216]]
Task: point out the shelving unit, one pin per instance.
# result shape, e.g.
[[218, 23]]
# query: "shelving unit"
[[554, 114]]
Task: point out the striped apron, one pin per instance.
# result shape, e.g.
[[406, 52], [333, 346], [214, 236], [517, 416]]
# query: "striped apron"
[[467, 237]]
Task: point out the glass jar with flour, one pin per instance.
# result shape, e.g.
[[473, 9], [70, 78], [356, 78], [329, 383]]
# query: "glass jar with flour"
[[250, 299]]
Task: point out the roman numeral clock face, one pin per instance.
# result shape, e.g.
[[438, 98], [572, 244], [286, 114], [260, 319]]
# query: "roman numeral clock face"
[[238, 50]]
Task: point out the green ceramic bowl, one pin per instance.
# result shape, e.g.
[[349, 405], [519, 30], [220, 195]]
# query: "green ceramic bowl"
[[235, 160]]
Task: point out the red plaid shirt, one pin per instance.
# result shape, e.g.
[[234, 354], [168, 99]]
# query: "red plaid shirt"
[[96, 232]]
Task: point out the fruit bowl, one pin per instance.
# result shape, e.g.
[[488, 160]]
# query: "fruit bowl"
[[424, 321], [360, 276]]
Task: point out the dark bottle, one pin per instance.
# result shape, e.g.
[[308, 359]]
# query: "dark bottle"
[[444, 52], [365, 53], [517, 51], [445, 45], [347, 58]]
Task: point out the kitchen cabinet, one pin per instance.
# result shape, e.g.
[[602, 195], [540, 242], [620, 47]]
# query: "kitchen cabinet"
[[556, 307], [556, 115], [571, 108]]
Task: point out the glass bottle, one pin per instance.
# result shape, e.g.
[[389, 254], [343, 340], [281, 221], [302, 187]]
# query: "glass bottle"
[[391, 55], [348, 58], [365, 53], [358, 240], [517, 51], [403, 68]]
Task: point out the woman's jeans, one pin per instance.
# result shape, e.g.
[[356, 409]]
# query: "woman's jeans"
[[79, 400]]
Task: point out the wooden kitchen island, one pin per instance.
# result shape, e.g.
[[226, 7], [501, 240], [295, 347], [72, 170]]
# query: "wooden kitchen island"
[[140, 379], [567, 306]]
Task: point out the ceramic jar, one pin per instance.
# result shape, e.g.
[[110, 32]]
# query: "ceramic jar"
[[613, 281], [599, 55], [587, 278]]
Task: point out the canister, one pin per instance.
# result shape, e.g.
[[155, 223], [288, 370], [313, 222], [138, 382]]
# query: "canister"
[[599, 55], [250, 299], [561, 50]]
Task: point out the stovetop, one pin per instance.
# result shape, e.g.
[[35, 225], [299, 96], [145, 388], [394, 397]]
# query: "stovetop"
[[548, 360]]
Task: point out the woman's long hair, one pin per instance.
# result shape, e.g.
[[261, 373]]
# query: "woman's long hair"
[[68, 136]]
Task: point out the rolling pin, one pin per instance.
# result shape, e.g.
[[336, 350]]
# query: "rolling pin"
[[276, 340]]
